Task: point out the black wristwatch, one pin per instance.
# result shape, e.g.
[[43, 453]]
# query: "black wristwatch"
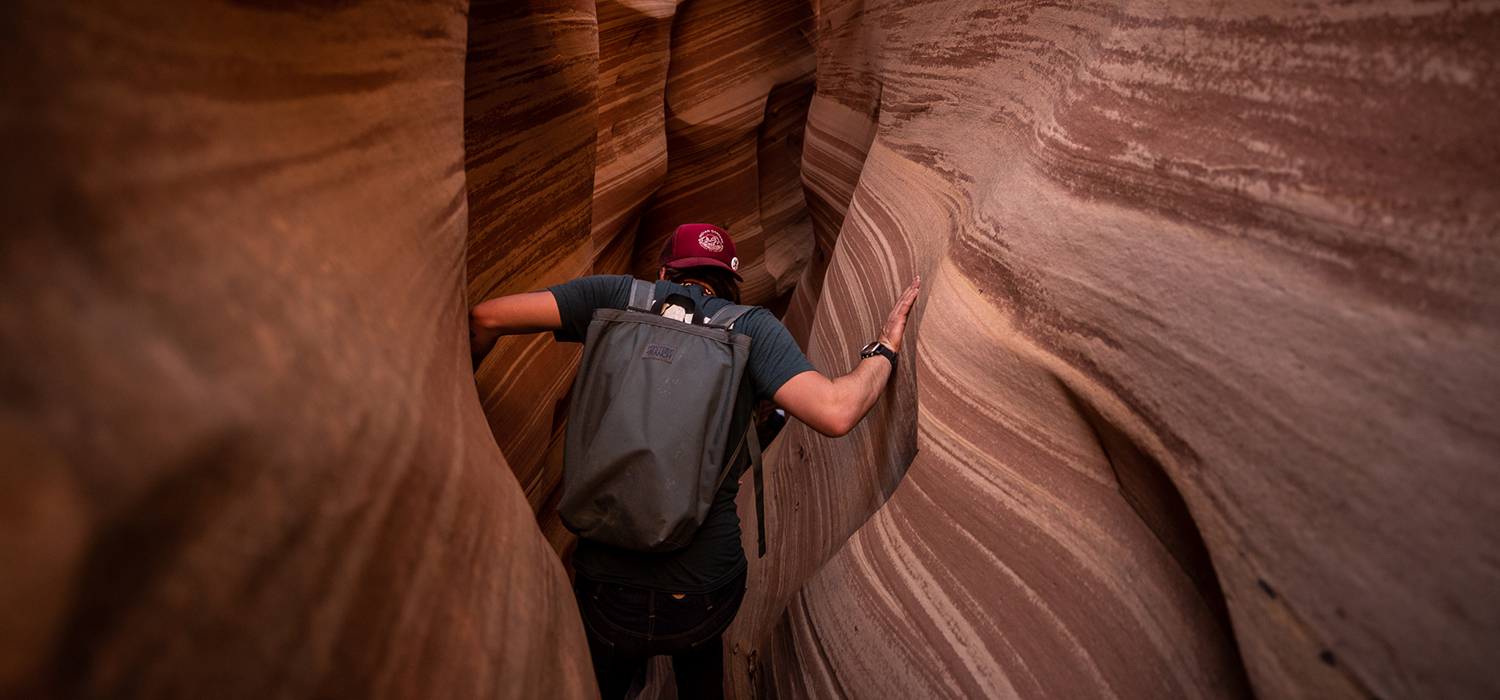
[[878, 348]]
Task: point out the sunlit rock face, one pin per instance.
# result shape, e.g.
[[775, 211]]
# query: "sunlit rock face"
[[1201, 396], [241, 454]]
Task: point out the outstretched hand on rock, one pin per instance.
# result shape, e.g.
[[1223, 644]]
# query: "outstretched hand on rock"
[[834, 406], [895, 323]]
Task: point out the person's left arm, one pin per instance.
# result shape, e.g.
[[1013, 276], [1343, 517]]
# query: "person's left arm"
[[834, 406], [534, 312]]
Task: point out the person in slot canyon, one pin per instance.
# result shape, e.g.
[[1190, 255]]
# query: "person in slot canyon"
[[638, 604]]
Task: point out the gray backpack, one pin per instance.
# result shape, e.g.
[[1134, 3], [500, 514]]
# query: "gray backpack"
[[650, 423]]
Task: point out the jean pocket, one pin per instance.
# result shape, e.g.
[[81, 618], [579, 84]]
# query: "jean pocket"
[[717, 620], [601, 647], [624, 609]]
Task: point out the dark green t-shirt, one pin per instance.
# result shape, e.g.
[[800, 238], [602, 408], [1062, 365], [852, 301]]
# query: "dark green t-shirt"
[[714, 556]]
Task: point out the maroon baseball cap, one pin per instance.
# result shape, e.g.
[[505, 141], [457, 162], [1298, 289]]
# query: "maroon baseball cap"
[[700, 244]]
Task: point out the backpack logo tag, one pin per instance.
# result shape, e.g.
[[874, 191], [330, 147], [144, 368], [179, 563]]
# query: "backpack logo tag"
[[659, 352]]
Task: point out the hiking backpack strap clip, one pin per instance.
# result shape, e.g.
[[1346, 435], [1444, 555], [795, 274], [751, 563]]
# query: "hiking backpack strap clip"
[[642, 295], [726, 316]]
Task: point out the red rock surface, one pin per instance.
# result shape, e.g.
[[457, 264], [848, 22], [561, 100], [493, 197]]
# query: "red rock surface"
[[1198, 402], [530, 110], [241, 454], [1210, 304]]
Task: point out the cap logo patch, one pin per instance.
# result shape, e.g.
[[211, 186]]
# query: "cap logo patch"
[[711, 241], [734, 264]]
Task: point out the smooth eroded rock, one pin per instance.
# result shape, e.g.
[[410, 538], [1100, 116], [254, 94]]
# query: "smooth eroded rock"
[[1205, 365], [252, 461]]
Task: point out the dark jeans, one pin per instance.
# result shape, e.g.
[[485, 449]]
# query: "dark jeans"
[[627, 626]]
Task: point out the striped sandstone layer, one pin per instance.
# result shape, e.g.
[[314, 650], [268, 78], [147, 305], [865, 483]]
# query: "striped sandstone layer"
[[241, 454], [735, 96], [530, 109], [1202, 391]]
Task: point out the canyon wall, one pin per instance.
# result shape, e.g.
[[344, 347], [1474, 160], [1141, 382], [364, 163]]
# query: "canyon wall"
[[1203, 386], [241, 452], [1198, 399]]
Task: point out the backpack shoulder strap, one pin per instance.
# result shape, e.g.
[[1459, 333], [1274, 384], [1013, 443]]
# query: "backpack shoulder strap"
[[752, 439], [642, 295], [726, 316], [760, 489]]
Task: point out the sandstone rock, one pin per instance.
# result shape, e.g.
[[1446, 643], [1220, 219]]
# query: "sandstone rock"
[[246, 452], [736, 91], [635, 52], [530, 110], [1209, 304], [1198, 401]]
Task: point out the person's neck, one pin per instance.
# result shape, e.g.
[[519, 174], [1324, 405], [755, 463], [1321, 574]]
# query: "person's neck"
[[706, 288]]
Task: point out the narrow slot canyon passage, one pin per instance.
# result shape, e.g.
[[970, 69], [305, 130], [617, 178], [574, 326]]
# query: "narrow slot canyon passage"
[[1197, 401]]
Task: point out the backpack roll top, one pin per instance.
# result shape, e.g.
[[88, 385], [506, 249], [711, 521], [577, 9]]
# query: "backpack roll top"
[[648, 425]]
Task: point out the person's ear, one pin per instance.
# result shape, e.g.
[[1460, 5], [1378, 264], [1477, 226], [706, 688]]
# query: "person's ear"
[[661, 273]]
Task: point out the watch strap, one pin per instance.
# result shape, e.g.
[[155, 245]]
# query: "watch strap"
[[879, 348]]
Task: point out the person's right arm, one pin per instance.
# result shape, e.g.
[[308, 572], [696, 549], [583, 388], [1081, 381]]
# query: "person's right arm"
[[534, 312], [834, 406]]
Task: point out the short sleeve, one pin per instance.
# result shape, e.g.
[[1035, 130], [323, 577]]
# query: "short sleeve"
[[577, 299], [774, 355]]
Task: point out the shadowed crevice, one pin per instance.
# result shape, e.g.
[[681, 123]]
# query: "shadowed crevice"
[[1150, 492]]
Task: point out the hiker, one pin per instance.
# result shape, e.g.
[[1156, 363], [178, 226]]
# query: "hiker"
[[678, 601]]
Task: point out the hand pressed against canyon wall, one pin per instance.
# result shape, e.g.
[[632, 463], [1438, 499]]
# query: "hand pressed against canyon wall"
[[1211, 298], [242, 453]]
